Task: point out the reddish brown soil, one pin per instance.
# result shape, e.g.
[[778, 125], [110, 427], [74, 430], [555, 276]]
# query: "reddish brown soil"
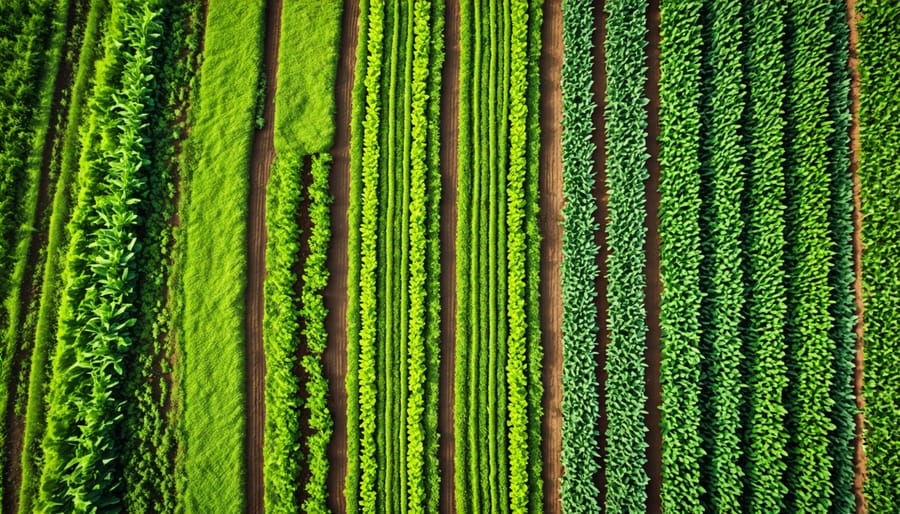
[[335, 356], [15, 425], [551, 204], [860, 456], [600, 195], [263, 153], [653, 353], [449, 138]]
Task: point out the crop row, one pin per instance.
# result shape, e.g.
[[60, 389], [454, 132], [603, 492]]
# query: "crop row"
[[393, 316], [82, 467], [580, 402], [30, 47], [626, 171], [498, 388], [772, 395], [298, 421], [879, 176]]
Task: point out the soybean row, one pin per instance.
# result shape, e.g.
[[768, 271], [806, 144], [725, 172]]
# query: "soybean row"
[[580, 402], [879, 178], [757, 313]]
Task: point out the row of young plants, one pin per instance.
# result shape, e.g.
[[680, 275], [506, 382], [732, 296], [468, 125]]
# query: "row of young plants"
[[298, 421], [743, 292], [581, 399], [82, 466], [498, 388], [30, 48], [879, 176], [394, 259]]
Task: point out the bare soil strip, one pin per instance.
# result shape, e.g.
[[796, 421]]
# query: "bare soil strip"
[[15, 425], [653, 352], [335, 356], [600, 196], [860, 456], [449, 156], [551, 204], [261, 158]]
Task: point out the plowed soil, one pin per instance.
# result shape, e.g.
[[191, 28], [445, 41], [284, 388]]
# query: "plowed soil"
[[261, 158], [335, 356], [551, 249], [449, 133]]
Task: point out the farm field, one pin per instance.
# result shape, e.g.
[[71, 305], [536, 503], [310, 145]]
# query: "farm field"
[[449, 256]]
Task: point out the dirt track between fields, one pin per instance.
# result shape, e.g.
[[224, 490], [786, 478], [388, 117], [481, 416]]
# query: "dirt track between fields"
[[15, 425], [860, 454], [449, 171], [261, 158], [335, 356], [653, 290], [551, 204]]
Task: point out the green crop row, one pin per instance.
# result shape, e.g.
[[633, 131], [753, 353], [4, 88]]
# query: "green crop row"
[[808, 258], [842, 277], [498, 359], [30, 48], [82, 452], [626, 129], [313, 313], [766, 436], [680, 253], [282, 462], [581, 401], [721, 275], [85, 60], [393, 316], [879, 175]]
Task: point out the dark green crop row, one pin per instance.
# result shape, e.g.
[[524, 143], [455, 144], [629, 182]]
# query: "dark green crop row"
[[766, 435], [808, 259], [879, 175], [82, 468], [498, 360], [721, 274], [393, 315], [626, 171], [580, 402], [755, 227]]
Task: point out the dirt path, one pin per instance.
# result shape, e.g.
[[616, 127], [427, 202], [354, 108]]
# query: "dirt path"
[[335, 356], [449, 139], [653, 353], [15, 425], [263, 153], [551, 204], [860, 456], [600, 195]]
